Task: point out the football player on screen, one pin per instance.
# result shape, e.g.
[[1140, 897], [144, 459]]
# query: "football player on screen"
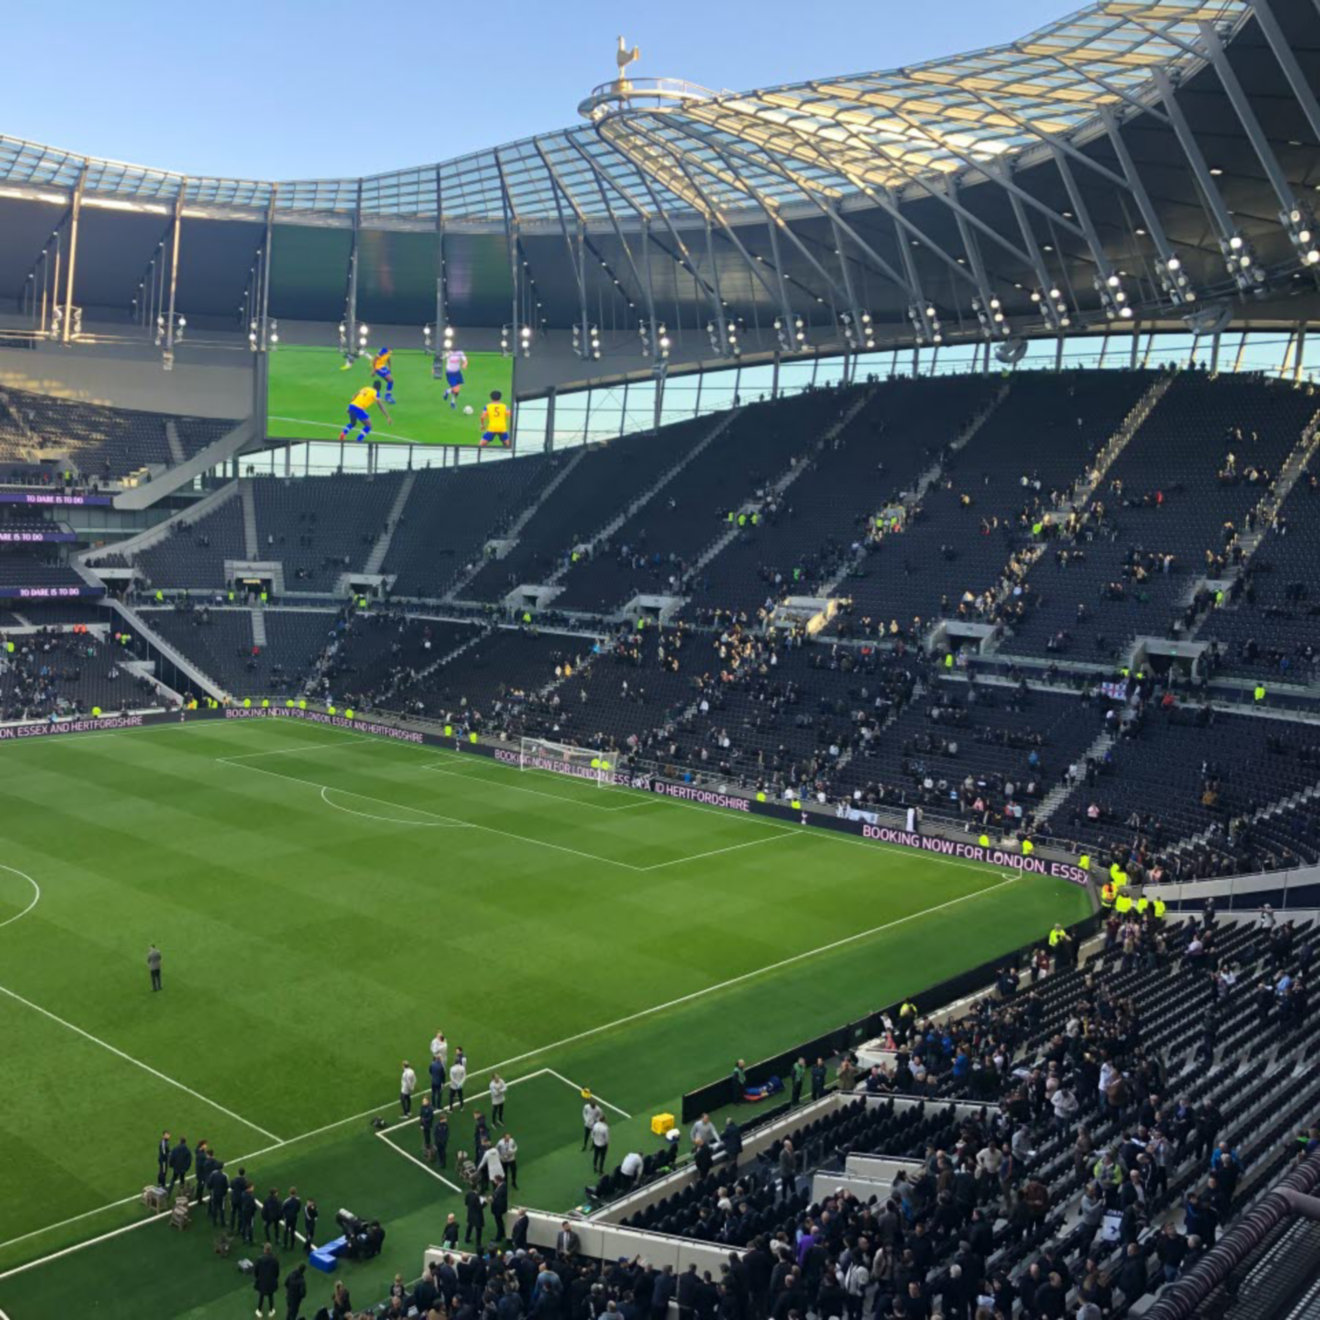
[[455, 365], [359, 411], [495, 422], [380, 369]]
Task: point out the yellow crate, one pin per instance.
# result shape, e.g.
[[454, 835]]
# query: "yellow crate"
[[662, 1124]]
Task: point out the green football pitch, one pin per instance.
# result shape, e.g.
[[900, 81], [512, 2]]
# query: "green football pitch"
[[324, 902], [309, 390]]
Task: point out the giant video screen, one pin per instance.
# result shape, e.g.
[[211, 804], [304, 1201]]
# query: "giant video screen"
[[390, 396]]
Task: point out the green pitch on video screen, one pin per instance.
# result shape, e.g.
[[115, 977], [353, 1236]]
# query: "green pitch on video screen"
[[312, 395]]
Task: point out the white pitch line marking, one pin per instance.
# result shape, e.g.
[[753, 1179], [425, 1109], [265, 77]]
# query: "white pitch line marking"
[[594, 1096], [375, 434], [36, 894], [138, 1063], [440, 823], [747, 976], [421, 1164], [411, 1120], [715, 852], [504, 1063], [489, 829], [436, 767]]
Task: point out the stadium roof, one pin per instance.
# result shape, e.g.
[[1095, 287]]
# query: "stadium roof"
[[696, 152], [1140, 160]]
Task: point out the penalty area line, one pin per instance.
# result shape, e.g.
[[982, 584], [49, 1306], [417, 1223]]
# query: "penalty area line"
[[138, 1063], [755, 972], [496, 1067], [471, 824], [412, 1159], [594, 1096]]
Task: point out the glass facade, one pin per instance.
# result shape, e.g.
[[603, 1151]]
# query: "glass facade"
[[595, 415]]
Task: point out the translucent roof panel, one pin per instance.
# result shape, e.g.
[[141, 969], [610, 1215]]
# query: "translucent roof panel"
[[713, 154]]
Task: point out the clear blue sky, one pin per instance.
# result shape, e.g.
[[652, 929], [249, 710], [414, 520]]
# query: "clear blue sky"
[[316, 88]]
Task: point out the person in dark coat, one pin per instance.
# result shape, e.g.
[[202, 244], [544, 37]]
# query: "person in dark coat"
[[476, 1216], [266, 1278], [702, 1158], [731, 1140], [217, 1185], [270, 1214], [237, 1186], [1131, 1279], [180, 1162], [290, 1211], [662, 1292], [162, 1158], [440, 1137], [247, 1213], [295, 1290], [689, 1285], [310, 1215], [521, 1226], [202, 1165], [818, 1079], [499, 1207]]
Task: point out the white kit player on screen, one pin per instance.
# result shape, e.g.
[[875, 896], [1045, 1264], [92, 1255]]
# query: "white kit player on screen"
[[455, 365]]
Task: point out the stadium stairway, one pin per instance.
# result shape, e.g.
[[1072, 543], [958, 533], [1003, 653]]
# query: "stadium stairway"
[[209, 458], [175, 444], [646, 496], [511, 537], [1278, 807], [251, 541], [784, 480], [138, 623], [153, 536], [1247, 541], [447, 657], [1119, 441], [1054, 799], [924, 482], [258, 628], [382, 547]]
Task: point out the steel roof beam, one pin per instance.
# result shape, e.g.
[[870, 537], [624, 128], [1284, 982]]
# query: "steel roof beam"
[[982, 167], [1210, 195], [1283, 189], [887, 204], [1083, 213], [1052, 140], [776, 225], [1033, 247], [825, 207], [644, 287], [1149, 214], [715, 212], [685, 257], [974, 257], [574, 245], [1292, 71]]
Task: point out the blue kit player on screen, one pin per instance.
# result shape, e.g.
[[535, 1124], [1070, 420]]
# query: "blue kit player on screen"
[[380, 369], [455, 365], [359, 411]]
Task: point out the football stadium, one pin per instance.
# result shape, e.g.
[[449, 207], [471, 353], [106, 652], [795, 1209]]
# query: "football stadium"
[[714, 712]]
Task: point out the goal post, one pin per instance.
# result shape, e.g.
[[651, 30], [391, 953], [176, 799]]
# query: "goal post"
[[559, 758]]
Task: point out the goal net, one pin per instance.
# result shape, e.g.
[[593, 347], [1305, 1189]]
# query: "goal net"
[[580, 762]]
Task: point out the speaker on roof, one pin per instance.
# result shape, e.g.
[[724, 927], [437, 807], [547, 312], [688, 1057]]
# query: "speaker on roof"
[[1011, 350], [1209, 320]]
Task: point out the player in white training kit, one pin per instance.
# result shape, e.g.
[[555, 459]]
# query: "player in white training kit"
[[455, 365]]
